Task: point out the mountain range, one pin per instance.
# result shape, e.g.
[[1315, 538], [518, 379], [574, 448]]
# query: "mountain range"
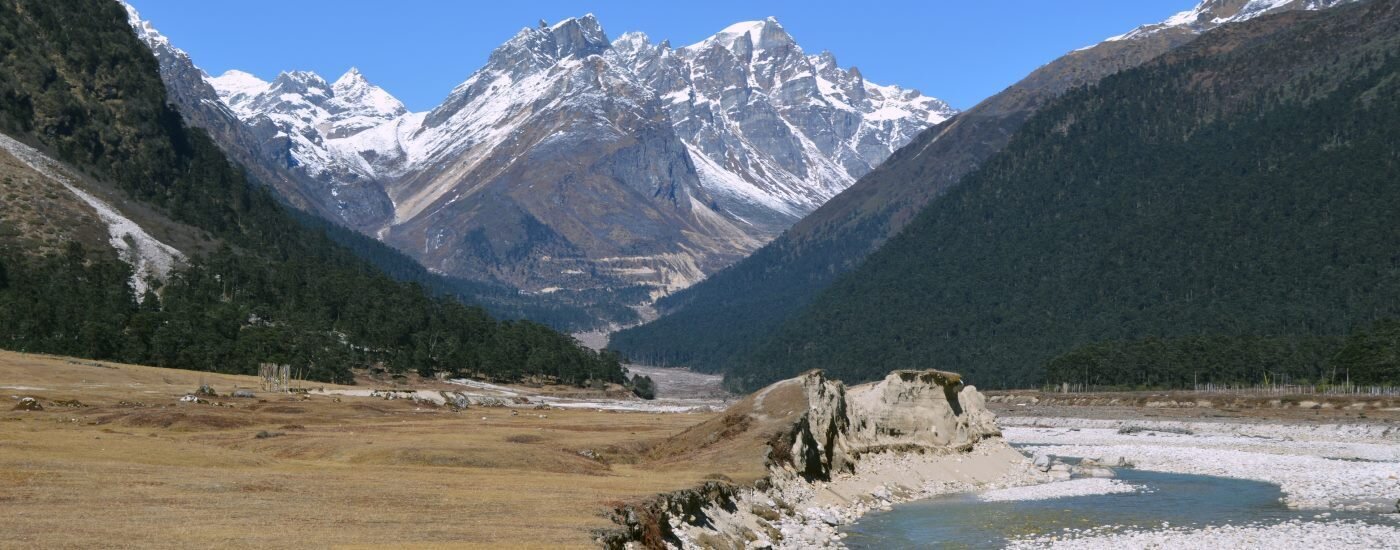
[[570, 161], [714, 325]]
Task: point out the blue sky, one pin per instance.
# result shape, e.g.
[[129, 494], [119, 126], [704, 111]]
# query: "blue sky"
[[961, 51]]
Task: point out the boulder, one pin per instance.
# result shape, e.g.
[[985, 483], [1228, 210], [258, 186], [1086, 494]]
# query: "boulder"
[[1097, 471], [909, 409], [28, 404]]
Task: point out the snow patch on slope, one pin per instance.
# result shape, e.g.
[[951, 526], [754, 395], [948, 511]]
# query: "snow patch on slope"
[[716, 179], [149, 258], [1210, 14]]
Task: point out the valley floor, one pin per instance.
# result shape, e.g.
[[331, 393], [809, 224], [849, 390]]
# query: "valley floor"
[[118, 456], [115, 458]]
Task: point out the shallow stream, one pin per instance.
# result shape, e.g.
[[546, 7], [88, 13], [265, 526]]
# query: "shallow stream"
[[1181, 500]]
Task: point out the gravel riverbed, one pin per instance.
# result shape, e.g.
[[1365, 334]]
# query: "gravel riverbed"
[[1328, 467], [1292, 534]]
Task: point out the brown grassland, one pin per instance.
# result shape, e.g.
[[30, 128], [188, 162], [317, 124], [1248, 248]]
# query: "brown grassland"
[[115, 460]]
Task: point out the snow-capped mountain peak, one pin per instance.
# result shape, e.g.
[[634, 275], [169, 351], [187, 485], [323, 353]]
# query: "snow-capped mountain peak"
[[631, 41], [745, 37], [302, 82], [578, 36], [302, 100], [352, 78], [237, 87], [354, 94], [669, 163]]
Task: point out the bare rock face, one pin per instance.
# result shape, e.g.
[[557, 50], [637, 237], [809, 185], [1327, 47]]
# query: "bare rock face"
[[920, 409], [923, 411]]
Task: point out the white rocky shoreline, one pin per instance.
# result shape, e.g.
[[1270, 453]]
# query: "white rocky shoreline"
[[1295, 534], [1328, 467], [884, 480]]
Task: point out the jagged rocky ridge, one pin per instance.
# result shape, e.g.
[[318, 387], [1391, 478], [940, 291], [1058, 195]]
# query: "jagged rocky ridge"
[[259, 148], [303, 120], [572, 161], [828, 453]]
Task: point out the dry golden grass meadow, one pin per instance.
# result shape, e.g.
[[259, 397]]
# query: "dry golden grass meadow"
[[115, 460]]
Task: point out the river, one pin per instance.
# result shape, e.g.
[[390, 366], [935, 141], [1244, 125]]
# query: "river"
[[1178, 500]]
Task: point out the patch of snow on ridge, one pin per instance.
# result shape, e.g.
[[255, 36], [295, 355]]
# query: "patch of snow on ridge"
[[149, 258], [727, 37], [718, 180], [1203, 17], [143, 28]]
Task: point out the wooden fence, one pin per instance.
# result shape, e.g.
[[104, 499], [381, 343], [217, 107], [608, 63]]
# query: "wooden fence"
[[275, 378], [1248, 389]]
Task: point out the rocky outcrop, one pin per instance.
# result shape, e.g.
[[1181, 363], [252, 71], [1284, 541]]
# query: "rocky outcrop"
[[908, 411], [827, 454]]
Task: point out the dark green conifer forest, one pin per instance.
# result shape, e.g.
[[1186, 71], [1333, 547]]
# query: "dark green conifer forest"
[[1228, 206], [263, 287]]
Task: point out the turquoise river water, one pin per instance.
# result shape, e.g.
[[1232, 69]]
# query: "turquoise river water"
[[962, 521]]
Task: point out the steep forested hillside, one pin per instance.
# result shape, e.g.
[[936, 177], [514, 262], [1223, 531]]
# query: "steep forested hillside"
[[720, 320], [260, 286], [1243, 186]]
